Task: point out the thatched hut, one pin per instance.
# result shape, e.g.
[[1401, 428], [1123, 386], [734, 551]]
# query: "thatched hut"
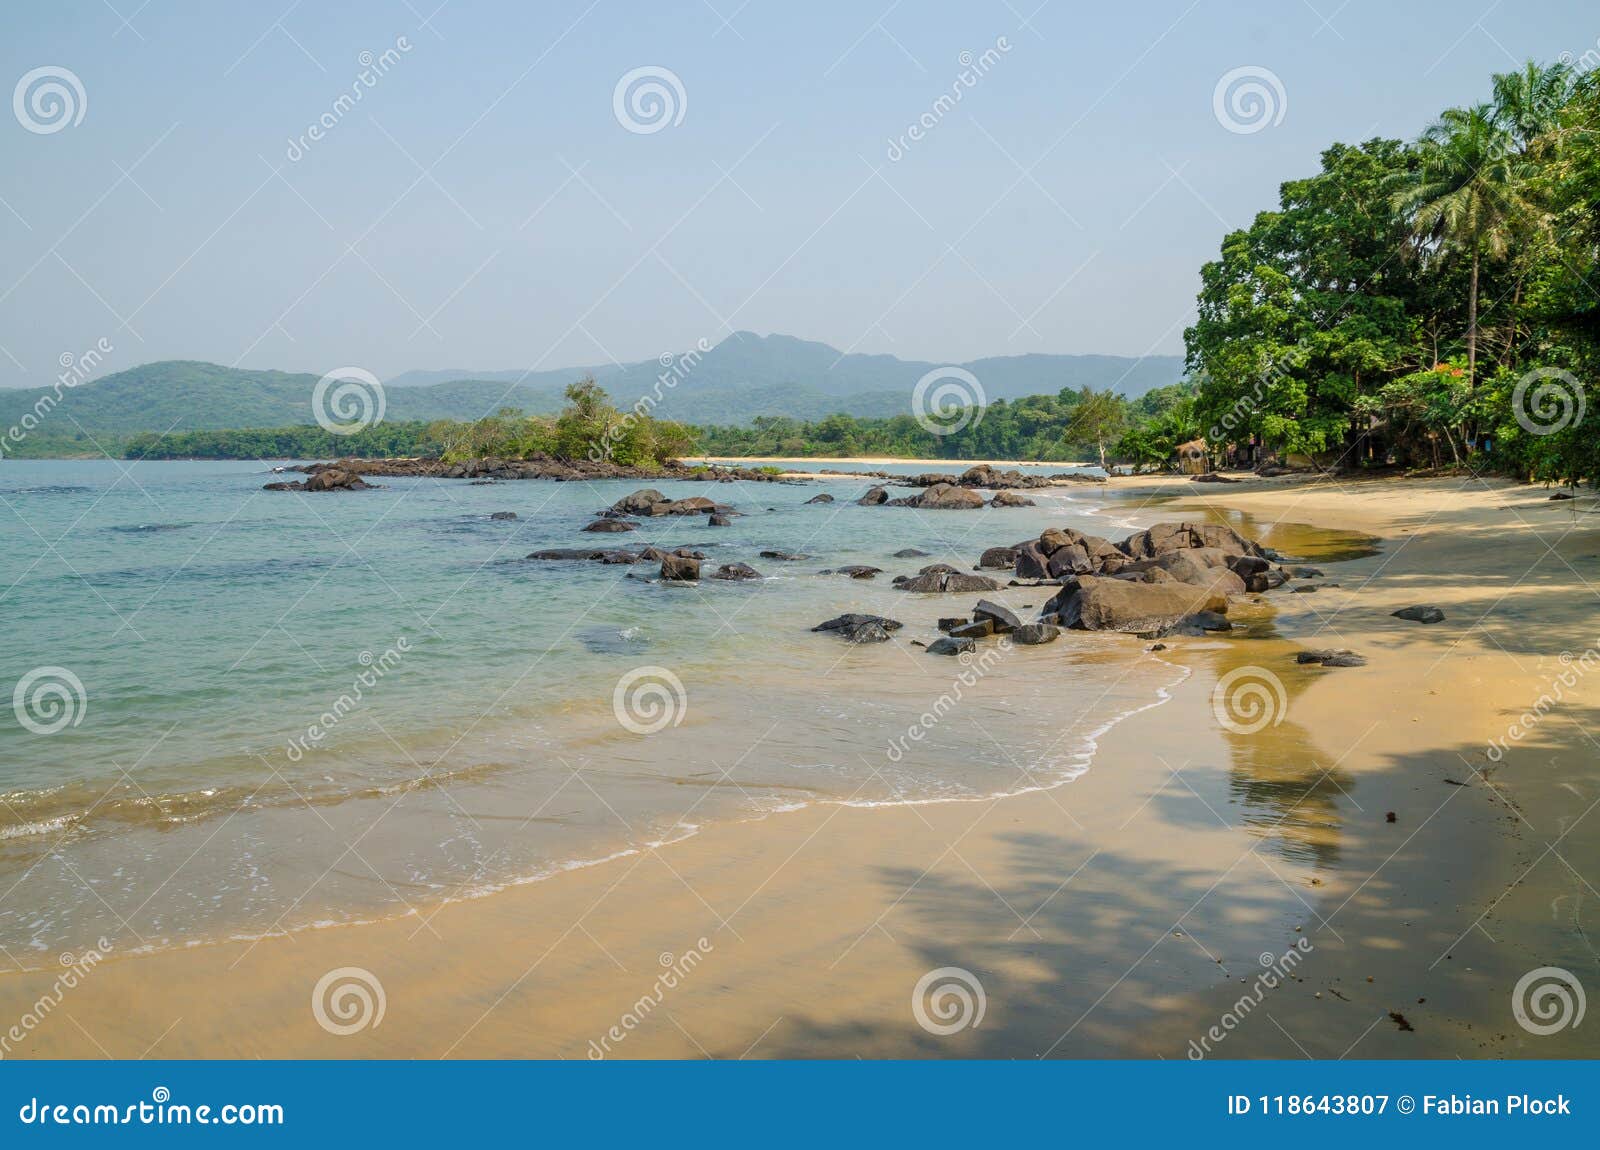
[[1192, 459]]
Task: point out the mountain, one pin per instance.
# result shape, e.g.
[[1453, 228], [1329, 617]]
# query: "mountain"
[[744, 376], [746, 359]]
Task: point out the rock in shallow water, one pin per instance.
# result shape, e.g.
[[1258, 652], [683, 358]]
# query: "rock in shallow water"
[[1420, 614], [949, 646], [852, 620], [1033, 634]]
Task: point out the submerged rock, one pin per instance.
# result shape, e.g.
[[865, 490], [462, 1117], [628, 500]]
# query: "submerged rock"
[[949, 646], [910, 553], [1033, 634], [853, 620], [503, 515], [736, 571], [680, 569], [823, 498], [1331, 658], [1420, 614], [612, 525]]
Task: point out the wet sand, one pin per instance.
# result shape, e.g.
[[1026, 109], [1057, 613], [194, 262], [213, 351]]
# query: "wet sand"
[[1123, 914]]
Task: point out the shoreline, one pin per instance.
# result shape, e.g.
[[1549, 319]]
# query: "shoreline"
[[823, 868]]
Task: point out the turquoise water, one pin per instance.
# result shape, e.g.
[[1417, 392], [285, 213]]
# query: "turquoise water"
[[307, 708]]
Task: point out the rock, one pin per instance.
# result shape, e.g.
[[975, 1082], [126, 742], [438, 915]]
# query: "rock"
[[611, 525], [850, 621], [1303, 573], [823, 498], [1031, 562], [1331, 658], [615, 557], [1033, 634], [941, 578], [1420, 614], [680, 569], [1156, 647], [1069, 560], [639, 503], [1199, 623], [1245, 566], [562, 553], [503, 515], [694, 505], [874, 497], [786, 556], [858, 571], [1164, 537], [1099, 604], [1303, 589], [1265, 581], [949, 646], [977, 629], [910, 553], [326, 479], [998, 558], [946, 497], [1560, 495], [951, 623], [1008, 498], [1003, 618], [736, 571], [715, 520], [867, 633]]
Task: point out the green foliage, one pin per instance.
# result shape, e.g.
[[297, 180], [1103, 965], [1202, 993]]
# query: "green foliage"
[[1391, 304]]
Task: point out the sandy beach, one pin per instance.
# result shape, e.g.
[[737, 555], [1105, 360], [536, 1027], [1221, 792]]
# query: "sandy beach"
[[1124, 914]]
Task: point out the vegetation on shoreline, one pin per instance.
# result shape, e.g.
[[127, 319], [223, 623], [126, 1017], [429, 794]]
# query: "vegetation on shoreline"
[[1422, 303]]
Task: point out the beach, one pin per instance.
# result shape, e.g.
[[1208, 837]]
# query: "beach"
[[1129, 912]]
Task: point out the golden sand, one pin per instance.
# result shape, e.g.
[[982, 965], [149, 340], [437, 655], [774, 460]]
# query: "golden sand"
[[1124, 914]]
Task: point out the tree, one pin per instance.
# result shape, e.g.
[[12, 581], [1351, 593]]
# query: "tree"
[[1468, 196], [1098, 418]]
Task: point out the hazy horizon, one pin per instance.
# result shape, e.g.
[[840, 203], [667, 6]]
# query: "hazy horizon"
[[493, 201]]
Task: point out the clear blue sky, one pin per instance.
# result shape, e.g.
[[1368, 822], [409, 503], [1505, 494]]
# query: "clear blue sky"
[[482, 206]]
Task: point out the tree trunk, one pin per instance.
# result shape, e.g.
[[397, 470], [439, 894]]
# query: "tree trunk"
[[1102, 446], [1472, 324]]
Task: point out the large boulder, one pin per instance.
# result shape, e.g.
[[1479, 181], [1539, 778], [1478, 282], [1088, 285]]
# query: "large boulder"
[[1164, 537], [874, 496], [998, 558], [946, 497], [1008, 498], [941, 577], [639, 503], [694, 505], [1098, 604], [680, 569], [612, 525], [335, 479], [1032, 562]]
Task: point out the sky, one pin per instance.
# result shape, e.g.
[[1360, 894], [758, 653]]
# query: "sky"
[[495, 200]]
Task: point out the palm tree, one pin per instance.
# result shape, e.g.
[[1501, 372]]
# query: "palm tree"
[[1469, 195], [1528, 103]]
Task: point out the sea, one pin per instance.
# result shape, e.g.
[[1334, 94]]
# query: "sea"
[[227, 712]]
